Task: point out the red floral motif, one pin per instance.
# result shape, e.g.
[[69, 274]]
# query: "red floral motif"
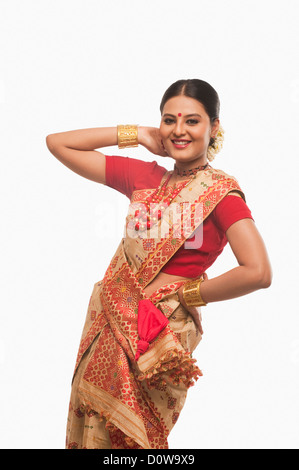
[[120, 441], [171, 403], [141, 195], [98, 324], [148, 244], [161, 386], [78, 412], [216, 176], [109, 370], [73, 445], [90, 412]]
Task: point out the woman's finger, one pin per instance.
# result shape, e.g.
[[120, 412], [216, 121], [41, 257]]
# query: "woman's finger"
[[197, 318], [164, 149]]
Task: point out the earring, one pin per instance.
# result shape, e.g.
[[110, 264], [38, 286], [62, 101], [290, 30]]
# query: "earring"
[[216, 144]]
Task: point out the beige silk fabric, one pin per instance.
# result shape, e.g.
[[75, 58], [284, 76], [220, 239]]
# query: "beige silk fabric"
[[118, 402]]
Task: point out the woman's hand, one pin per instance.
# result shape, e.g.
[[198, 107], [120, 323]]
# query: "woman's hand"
[[150, 138], [192, 310]]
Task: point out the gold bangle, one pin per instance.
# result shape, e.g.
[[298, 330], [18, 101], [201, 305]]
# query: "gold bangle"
[[127, 136], [191, 293]]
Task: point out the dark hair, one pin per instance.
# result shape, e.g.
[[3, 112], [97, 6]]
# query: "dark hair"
[[197, 89]]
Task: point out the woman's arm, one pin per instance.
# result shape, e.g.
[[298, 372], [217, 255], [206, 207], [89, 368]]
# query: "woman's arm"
[[254, 271], [75, 149]]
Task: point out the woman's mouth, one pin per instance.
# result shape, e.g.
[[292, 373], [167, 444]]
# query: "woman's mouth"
[[181, 144]]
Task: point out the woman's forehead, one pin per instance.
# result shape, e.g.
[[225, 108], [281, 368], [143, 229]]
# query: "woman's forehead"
[[183, 105]]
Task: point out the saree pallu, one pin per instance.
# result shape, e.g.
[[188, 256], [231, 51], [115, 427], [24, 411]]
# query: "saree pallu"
[[119, 400]]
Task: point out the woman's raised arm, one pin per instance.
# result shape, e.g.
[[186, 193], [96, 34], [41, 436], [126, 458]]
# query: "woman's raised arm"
[[75, 149]]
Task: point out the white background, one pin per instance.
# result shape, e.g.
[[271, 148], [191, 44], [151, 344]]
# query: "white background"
[[78, 64]]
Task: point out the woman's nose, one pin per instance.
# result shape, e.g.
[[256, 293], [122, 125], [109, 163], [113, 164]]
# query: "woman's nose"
[[179, 128]]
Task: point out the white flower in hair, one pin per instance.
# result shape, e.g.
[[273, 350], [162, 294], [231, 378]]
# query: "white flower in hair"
[[217, 145]]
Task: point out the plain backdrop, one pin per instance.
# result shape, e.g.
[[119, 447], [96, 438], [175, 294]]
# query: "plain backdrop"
[[77, 64]]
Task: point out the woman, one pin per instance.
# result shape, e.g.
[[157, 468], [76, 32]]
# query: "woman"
[[134, 364]]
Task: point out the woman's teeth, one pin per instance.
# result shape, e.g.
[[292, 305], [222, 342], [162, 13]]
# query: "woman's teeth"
[[181, 143]]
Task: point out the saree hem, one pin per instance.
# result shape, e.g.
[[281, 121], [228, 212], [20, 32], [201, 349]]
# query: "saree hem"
[[182, 367], [119, 418]]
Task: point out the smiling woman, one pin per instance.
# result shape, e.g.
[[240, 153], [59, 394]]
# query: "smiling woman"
[[134, 365], [194, 126], [196, 123]]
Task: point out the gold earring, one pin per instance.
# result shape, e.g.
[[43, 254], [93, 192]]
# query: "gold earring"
[[216, 145]]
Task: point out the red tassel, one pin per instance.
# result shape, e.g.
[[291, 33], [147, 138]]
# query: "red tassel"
[[151, 321]]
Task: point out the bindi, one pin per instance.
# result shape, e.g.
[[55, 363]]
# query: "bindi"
[[179, 114]]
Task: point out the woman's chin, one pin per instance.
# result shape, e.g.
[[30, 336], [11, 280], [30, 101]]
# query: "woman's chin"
[[186, 157], [181, 155]]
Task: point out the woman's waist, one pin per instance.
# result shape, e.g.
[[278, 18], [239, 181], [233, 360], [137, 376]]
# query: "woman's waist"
[[121, 272], [162, 279]]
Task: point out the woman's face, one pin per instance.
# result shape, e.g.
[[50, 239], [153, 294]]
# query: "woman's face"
[[186, 130]]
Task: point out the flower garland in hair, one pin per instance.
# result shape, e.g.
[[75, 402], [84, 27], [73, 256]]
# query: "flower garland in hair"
[[216, 144]]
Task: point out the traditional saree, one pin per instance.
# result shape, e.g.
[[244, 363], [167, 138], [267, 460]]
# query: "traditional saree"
[[134, 365]]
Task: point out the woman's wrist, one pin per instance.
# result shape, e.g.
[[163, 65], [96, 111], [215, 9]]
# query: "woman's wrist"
[[192, 293], [127, 135], [141, 132], [148, 137]]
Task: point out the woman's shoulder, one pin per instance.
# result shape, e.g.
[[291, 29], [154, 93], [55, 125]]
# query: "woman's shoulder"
[[218, 173], [133, 164], [232, 207], [232, 183], [127, 174], [230, 210]]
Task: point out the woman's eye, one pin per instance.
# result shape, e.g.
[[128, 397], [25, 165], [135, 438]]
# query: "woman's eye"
[[192, 122]]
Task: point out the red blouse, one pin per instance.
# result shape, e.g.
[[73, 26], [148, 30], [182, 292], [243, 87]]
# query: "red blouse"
[[126, 174]]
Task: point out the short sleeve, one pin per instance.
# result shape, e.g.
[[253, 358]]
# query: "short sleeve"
[[228, 211], [126, 174]]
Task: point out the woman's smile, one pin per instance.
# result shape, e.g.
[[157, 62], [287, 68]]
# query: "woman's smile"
[[181, 143]]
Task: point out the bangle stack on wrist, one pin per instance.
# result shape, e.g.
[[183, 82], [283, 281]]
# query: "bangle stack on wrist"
[[191, 293], [127, 136]]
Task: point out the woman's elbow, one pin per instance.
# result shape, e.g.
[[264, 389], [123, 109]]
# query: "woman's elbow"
[[49, 142], [264, 277]]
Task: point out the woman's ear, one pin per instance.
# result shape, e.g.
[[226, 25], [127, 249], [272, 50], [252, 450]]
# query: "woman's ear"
[[215, 128]]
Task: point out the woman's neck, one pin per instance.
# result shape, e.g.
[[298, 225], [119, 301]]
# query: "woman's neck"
[[189, 170], [185, 166]]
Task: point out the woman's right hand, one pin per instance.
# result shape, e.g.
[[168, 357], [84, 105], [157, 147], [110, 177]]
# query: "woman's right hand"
[[194, 312], [151, 139]]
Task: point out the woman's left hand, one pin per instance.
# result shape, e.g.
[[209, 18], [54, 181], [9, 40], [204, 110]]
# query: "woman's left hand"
[[150, 138], [194, 312]]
